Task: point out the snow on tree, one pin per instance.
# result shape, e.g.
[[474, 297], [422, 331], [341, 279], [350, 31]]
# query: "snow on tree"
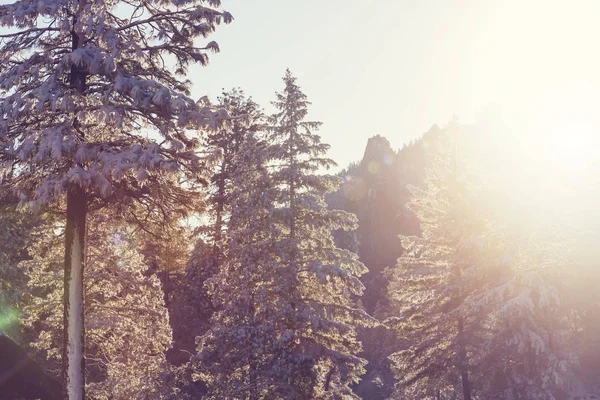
[[246, 120], [127, 324], [234, 349], [190, 306], [286, 321], [435, 274], [87, 88], [529, 351], [477, 305], [579, 291]]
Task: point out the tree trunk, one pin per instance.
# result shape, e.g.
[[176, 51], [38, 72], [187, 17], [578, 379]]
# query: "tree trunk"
[[328, 379], [74, 332], [464, 370], [219, 208], [253, 381], [253, 361], [73, 351]]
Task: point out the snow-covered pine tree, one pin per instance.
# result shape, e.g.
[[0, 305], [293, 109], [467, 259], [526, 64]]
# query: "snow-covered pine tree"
[[435, 275], [584, 281], [127, 324], [234, 351], [80, 81], [192, 308], [478, 304], [287, 318], [247, 119], [528, 350]]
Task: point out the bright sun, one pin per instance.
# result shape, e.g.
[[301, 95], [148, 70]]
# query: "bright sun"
[[545, 162], [570, 145], [561, 130]]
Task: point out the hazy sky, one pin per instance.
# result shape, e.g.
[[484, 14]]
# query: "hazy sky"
[[396, 67]]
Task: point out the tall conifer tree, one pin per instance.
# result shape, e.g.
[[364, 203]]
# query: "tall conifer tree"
[[473, 301], [287, 326], [82, 82]]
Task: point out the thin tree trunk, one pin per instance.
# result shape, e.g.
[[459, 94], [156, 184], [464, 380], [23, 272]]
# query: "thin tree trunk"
[[464, 370], [73, 351], [220, 207], [292, 193], [292, 159], [253, 381], [328, 379], [253, 361], [293, 207]]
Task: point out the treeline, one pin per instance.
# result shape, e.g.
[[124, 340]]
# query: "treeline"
[[255, 281], [153, 246], [259, 296], [479, 304]]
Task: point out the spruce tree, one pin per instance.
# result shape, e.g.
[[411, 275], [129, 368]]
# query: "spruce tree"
[[247, 119], [233, 354], [192, 308], [434, 276], [287, 326], [474, 302], [82, 84], [529, 350]]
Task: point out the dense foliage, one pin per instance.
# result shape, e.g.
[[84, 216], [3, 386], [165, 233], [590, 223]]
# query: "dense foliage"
[[153, 246], [286, 324]]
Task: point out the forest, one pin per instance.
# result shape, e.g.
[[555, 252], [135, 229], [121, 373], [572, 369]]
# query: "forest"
[[158, 246]]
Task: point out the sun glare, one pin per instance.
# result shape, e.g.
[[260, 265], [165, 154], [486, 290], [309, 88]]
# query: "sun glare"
[[544, 163], [559, 132], [572, 146]]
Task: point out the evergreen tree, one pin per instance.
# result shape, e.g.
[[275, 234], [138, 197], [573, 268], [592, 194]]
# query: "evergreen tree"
[[192, 308], [474, 302], [579, 293], [529, 351], [82, 83], [234, 352], [286, 323], [247, 120], [435, 275]]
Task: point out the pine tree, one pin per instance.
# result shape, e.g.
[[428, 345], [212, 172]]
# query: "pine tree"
[[287, 323], [192, 308], [529, 350], [246, 120], [237, 345], [127, 323], [476, 303], [83, 83], [585, 322], [436, 275]]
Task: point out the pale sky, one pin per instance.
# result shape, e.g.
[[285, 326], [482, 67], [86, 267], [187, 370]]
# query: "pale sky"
[[396, 67]]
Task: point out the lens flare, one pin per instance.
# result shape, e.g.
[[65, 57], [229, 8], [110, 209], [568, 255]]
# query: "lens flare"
[[9, 318]]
